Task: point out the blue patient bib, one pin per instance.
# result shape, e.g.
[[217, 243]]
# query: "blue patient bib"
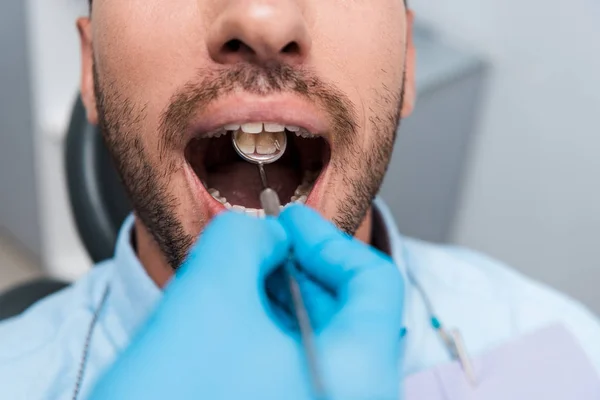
[[546, 365]]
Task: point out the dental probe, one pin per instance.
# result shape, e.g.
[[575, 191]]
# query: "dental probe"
[[272, 206]]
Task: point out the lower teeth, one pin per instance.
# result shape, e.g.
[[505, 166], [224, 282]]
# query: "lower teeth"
[[300, 196]]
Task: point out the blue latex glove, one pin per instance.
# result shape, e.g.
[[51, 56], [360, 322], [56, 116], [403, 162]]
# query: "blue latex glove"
[[218, 335]]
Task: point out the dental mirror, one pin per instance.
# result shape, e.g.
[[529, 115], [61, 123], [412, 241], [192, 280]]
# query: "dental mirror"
[[263, 148]]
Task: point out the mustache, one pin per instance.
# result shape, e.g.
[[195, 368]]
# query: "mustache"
[[213, 84]]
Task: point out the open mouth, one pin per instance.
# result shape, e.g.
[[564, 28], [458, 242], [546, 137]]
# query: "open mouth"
[[236, 183]]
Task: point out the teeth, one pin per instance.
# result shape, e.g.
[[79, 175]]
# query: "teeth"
[[302, 199], [268, 143], [265, 143], [253, 212], [215, 193], [253, 127], [232, 127], [299, 199], [246, 143], [304, 133], [274, 128], [300, 132], [300, 195], [216, 134], [303, 189], [236, 208]]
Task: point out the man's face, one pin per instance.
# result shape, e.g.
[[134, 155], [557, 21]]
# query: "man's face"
[[169, 82]]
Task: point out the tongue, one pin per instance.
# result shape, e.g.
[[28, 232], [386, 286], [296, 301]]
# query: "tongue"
[[239, 182]]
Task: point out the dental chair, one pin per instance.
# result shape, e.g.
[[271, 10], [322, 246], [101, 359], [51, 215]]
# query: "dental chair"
[[98, 201]]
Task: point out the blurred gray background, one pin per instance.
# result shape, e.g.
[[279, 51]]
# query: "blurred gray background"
[[500, 155]]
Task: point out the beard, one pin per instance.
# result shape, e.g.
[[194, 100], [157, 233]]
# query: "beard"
[[146, 182]]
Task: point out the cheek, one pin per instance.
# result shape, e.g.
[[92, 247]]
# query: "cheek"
[[148, 49], [366, 54], [146, 37]]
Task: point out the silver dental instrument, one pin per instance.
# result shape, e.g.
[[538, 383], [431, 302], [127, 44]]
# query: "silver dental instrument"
[[272, 206]]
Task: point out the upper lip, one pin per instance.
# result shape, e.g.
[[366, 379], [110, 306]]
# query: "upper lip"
[[282, 109]]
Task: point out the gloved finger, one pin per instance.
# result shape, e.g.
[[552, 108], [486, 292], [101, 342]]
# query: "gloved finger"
[[321, 304], [234, 255], [370, 290], [368, 284]]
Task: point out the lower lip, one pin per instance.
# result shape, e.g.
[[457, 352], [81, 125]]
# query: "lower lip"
[[215, 207]]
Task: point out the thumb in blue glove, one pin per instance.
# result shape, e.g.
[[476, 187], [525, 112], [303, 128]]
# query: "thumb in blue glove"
[[212, 336]]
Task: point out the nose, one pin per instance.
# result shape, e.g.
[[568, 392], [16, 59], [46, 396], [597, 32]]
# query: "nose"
[[259, 31]]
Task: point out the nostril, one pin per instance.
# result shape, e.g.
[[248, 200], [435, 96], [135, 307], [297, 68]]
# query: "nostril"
[[291, 48], [232, 46], [237, 46]]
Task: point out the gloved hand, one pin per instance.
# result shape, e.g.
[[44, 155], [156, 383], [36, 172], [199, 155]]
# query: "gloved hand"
[[217, 335]]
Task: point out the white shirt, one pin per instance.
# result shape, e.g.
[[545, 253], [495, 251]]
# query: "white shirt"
[[41, 350]]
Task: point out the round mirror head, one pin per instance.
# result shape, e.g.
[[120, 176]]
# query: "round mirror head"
[[262, 148]]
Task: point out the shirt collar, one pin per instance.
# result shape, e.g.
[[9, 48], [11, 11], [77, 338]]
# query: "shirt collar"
[[134, 294], [395, 240]]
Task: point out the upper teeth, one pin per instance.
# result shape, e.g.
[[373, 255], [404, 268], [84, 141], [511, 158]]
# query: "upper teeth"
[[258, 127], [272, 128], [255, 128]]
